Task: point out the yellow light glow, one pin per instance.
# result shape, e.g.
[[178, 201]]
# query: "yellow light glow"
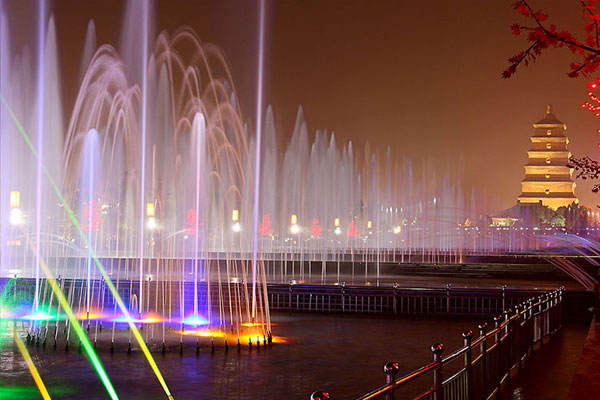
[[235, 215], [398, 229], [15, 199], [294, 219], [150, 209], [32, 369], [369, 224], [336, 222]]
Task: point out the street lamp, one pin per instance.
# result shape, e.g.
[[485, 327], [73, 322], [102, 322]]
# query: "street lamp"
[[369, 226], [337, 229], [235, 217], [294, 228], [151, 224], [16, 216]]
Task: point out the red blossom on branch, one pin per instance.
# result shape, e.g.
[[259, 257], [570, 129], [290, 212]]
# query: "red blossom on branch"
[[541, 37]]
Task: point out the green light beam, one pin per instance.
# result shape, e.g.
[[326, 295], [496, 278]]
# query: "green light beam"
[[83, 236]]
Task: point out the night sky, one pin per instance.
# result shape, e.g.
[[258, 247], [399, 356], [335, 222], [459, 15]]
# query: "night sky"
[[421, 77]]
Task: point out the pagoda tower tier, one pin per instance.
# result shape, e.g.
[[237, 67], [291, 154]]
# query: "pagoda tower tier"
[[547, 178]]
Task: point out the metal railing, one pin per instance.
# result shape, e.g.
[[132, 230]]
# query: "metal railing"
[[395, 300], [487, 362]]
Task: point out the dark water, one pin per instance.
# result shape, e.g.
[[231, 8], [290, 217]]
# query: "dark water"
[[550, 371], [342, 354]]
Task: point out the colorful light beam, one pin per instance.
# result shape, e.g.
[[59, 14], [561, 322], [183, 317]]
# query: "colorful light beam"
[[103, 272], [34, 372]]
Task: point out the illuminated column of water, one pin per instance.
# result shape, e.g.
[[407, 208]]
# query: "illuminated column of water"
[[3, 135], [90, 219], [39, 145], [199, 135], [143, 134], [259, 99]]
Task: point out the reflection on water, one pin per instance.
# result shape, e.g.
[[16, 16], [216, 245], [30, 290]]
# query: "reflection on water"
[[343, 354]]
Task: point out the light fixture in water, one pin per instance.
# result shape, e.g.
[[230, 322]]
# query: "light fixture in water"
[[38, 316], [195, 320]]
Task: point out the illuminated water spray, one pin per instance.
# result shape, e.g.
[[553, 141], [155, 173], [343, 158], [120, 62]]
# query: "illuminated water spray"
[[39, 145], [259, 100], [142, 199]]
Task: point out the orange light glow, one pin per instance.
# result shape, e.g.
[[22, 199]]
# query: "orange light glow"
[[83, 316]]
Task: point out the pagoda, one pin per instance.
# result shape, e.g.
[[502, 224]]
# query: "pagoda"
[[548, 180]]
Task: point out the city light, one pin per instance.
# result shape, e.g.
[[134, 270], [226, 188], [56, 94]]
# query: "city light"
[[294, 228], [397, 229], [236, 227], [336, 222], [150, 209], [152, 224], [369, 224], [15, 217], [235, 215], [337, 230], [15, 199]]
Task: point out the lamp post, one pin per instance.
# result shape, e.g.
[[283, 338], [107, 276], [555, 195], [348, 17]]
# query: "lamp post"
[[235, 217], [338, 231], [16, 216], [151, 224], [294, 230]]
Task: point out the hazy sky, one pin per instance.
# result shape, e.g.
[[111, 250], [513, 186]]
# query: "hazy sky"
[[420, 77]]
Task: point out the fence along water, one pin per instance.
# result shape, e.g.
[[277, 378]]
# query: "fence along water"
[[487, 362]]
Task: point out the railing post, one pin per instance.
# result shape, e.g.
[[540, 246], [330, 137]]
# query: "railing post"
[[468, 337], [395, 286], [508, 343], [498, 342], [343, 285], [391, 370], [448, 286], [560, 306], [438, 380], [319, 395], [483, 351], [503, 298]]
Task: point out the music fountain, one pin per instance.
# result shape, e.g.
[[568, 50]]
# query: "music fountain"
[[157, 213]]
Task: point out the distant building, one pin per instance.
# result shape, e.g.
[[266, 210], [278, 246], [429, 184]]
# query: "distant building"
[[547, 178]]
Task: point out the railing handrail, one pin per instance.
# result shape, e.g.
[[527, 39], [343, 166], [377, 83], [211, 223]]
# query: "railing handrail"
[[528, 309]]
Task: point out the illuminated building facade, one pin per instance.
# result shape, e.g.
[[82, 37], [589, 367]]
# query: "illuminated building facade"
[[547, 178]]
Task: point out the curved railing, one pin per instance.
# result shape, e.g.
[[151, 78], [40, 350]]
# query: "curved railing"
[[488, 361]]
